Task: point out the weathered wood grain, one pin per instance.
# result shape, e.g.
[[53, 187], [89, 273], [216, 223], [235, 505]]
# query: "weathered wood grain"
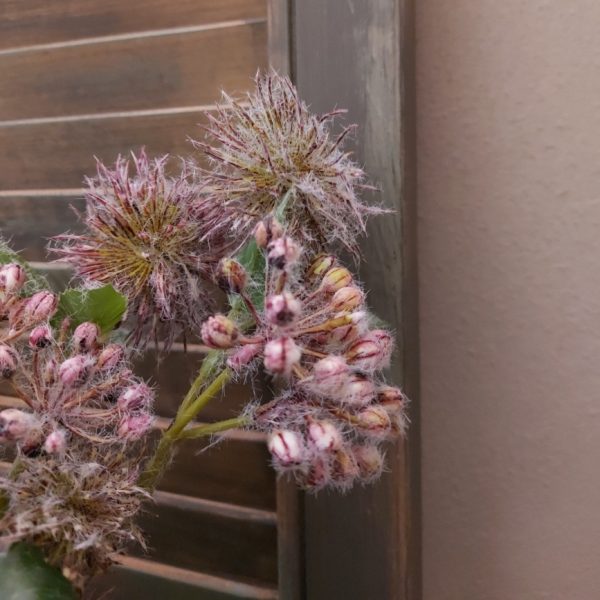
[[187, 69], [220, 545], [58, 155], [139, 578], [28, 221], [359, 55], [41, 22]]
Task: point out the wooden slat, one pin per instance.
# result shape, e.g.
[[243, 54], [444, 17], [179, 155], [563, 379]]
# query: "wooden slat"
[[233, 470], [58, 155], [187, 69], [372, 532], [139, 578], [42, 21], [211, 543], [28, 221], [173, 375]]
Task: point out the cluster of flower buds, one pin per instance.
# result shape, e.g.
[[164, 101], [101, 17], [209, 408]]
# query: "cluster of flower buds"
[[313, 332], [74, 387]]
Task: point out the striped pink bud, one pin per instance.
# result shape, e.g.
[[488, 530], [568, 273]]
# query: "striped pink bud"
[[41, 306], [40, 337], [9, 361], [85, 337], [12, 278], [324, 435], [281, 355], [219, 332], [282, 309], [286, 447]]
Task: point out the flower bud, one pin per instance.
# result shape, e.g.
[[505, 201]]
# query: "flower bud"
[[365, 354], [49, 372], [231, 275], [358, 390], [399, 423], [283, 252], [9, 360], [335, 279], [134, 427], [286, 447], [281, 355], [136, 397], [318, 475], [18, 426], [74, 371], [374, 420], [41, 306], [324, 435], [347, 298], [344, 334], [266, 231], [40, 336], [12, 278], [56, 442], [391, 398], [320, 266], [241, 357], [85, 337], [385, 341], [329, 375], [345, 468], [370, 461], [282, 309], [219, 332], [110, 357]]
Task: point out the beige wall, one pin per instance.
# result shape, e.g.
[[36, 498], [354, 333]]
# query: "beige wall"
[[509, 195]]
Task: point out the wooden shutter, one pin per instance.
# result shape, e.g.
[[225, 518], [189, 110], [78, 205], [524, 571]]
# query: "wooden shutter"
[[364, 545], [97, 77]]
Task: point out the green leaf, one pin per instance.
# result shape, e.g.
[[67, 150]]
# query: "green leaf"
[[253, 260], [24, 575], [103, 306]]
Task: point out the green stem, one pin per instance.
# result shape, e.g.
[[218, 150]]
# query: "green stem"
[[164, 450], [203, 430]]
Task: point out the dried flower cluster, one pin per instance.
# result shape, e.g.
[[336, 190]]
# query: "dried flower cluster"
[[271, 145], [154, 239], [77, 439], [335, 410]]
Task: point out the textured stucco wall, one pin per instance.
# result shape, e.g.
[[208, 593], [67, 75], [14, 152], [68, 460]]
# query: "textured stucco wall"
[[509, 217]]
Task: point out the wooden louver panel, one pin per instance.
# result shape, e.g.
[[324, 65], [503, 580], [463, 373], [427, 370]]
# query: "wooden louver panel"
[[98, 77]]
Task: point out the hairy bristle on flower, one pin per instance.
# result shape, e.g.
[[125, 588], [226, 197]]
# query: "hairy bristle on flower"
[[153, 238], [270, 145]]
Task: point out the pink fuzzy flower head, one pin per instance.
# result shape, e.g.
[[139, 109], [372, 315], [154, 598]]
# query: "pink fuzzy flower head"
[[272, 145], [153, 239], [12, 278]]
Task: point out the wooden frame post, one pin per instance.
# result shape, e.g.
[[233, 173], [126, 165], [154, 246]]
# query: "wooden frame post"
[[364, 545]]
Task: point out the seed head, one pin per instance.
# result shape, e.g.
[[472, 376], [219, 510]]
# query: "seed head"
[[274, 146], [151, 237]]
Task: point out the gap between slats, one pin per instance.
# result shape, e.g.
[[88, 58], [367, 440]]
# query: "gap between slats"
[[132, 36]]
